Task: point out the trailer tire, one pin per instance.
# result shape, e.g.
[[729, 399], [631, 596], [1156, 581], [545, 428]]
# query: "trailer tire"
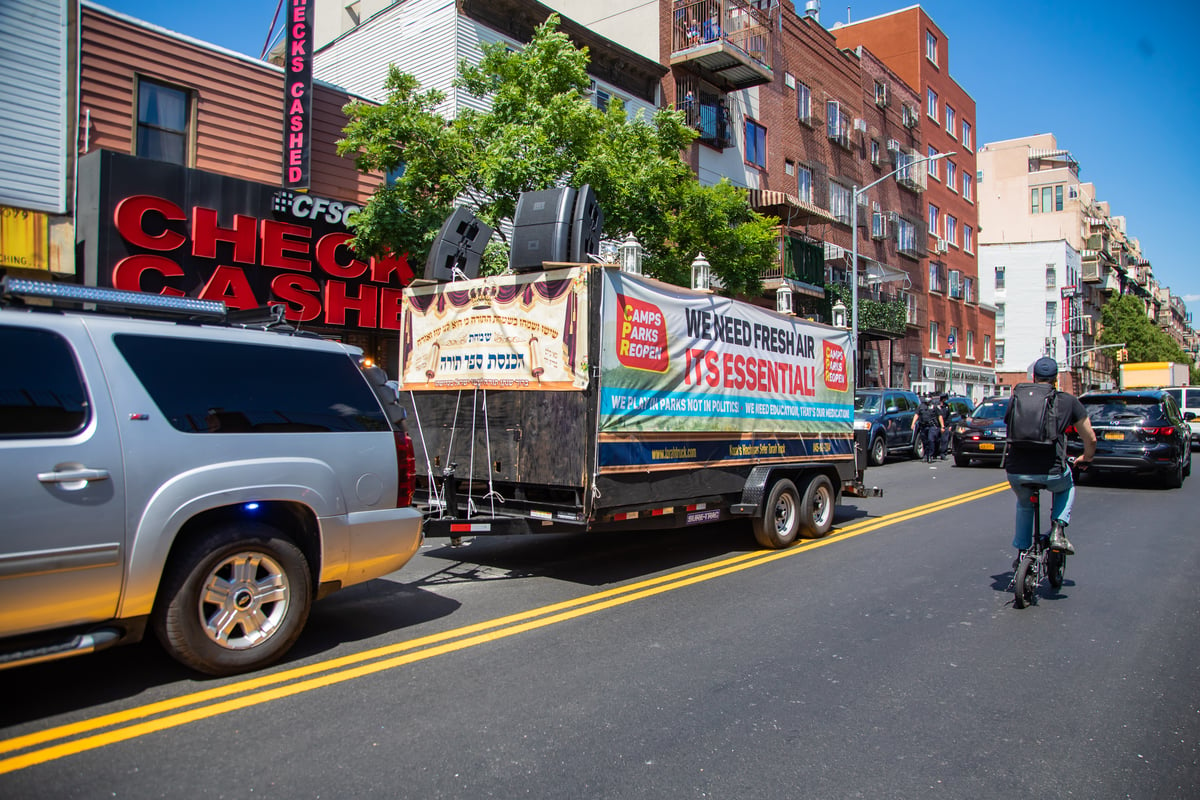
[[816, 517], [779, 523]]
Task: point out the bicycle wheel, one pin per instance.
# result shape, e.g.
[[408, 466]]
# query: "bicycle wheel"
[[1025, 583], [1056, 564]]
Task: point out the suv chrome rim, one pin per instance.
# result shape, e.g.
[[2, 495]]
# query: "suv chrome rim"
[[244, 600]]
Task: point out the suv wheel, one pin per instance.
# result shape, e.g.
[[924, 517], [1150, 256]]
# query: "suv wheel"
[[918, 447], [878, 451], [234, 600]]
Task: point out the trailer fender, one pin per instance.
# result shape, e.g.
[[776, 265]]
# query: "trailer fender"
[[761, 478], [753, 492]]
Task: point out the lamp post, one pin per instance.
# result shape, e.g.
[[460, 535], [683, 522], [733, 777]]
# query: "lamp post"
[[854, 195]]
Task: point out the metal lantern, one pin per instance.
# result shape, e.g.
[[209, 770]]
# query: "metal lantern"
[[630, 253], [783, 300], [700, 273], [839, 314]]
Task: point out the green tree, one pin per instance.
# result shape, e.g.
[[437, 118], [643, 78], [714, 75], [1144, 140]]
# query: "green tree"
[[542, 131], [1125, 321]]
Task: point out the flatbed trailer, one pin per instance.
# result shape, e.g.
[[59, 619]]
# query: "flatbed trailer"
[[583, 398]]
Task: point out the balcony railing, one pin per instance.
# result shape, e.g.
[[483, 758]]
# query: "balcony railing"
[[728, 41], [705, 110]]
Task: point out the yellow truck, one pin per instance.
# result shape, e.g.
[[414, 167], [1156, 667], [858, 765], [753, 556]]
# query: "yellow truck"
[[1156, 374]]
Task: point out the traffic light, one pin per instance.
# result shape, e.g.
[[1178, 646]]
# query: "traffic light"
[[1123, 355]]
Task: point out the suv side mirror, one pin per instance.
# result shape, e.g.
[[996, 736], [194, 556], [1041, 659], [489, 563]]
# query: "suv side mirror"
[[891, 409], [1189, 415]]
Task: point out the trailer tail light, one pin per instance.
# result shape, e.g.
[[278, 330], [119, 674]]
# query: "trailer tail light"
[[406, 464]]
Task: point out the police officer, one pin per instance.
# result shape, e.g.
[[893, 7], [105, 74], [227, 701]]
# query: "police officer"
[[945, 412], [927, 423]]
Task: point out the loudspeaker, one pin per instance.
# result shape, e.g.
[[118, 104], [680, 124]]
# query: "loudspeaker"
[[587, 225], [542, 228], [460, 243]]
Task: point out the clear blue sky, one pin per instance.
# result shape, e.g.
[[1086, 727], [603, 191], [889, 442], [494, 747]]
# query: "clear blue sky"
[[1116, 83]]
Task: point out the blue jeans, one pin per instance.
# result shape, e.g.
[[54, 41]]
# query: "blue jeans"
[[1063, 489]]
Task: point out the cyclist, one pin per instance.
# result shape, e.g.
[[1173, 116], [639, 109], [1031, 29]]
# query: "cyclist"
[[1047, 464], [927, 423]]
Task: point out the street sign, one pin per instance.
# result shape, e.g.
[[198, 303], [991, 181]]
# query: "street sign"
[[950, 340], [949, 351]]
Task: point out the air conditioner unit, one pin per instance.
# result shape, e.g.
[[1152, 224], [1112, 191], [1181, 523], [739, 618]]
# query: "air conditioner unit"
[[893, 145], [909, 117], [940, 245], [860, 125]]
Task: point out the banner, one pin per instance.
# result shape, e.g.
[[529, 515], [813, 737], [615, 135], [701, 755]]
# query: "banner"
[[689, 378], [524, 331]]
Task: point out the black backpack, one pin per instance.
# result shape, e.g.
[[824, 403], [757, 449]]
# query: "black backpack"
[[927, 415], [1032, 416]]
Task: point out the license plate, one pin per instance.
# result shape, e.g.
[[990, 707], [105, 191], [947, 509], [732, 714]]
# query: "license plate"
[[986, 446], [1118, 436]]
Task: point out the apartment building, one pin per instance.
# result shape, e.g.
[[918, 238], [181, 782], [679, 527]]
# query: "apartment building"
[[959, 330]]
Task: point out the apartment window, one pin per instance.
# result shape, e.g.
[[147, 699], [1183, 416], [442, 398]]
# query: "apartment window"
[[968, 239], [933, 337], [932, 166], [756, 144], [999, 352], [162, 122], [878, 225], [906, 236], [875, 152], [979, 176], [951, 176], [937, 276], [1046, 199], [999, 277], [951, 229], [1051, 347], [951, 121], [881, 95], [804, 184], [931, 107], [953, 335], [804, 103], [966, 134], [968, 289], [931, 47], [987, 348], [934, 218], [1051, 313], [839, 201], [968, 186], [789, 80], [956, 284], [1051, 276], [970, 344], [999, 318]]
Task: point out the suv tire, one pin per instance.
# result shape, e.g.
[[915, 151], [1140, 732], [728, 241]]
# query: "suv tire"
[[234, 599], [878, 451]]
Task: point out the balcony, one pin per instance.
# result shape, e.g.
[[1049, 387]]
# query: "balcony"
[[704, 109], [728, 42], [881, 314]]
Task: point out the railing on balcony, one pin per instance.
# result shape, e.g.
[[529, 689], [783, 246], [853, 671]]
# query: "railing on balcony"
[[730, 40], [878, 310], [705, 110], [799, 260]]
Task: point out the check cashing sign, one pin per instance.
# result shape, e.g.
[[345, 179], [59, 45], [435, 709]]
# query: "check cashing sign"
[[691, 379]]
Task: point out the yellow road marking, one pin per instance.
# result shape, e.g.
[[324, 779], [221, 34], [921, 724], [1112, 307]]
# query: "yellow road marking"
[[287, 683]]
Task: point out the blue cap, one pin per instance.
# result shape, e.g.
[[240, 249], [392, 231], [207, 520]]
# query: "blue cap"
[[1045, 367]]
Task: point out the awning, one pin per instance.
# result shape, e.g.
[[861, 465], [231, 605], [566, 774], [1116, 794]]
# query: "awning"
[[794, 210]]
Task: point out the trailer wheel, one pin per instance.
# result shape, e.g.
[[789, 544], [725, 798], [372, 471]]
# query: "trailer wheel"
[[816, 516], [779, 524]]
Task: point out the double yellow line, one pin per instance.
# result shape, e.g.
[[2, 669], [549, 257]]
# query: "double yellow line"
[[78, 737]]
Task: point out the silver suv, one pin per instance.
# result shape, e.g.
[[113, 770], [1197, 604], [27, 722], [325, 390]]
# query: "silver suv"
[[205, 480]]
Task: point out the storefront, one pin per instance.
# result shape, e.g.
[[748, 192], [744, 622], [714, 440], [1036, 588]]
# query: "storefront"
[[152, 226]]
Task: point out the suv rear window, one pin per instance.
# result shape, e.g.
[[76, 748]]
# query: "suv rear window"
[[1121, 410], [204, 386], [41, 393]]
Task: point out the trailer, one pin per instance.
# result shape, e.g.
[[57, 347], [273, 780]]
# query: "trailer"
[[584, 398], [1153, 374]]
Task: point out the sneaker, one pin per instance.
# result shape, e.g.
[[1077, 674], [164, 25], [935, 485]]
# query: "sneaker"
[[1059, 540], [1017, 560]]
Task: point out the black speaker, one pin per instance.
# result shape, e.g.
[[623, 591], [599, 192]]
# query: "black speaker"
[[542, 228], [460, 243], [587, 225]]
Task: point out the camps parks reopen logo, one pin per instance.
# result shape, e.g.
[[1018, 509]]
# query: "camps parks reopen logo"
[[835, 367], [641, 335]]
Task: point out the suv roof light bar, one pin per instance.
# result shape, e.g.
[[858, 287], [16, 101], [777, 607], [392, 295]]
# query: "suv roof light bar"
[[111, 298]]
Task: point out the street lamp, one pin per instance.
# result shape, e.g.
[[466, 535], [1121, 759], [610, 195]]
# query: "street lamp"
[[854, 194]]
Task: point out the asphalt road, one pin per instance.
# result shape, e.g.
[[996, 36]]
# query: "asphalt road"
[[884, 661]]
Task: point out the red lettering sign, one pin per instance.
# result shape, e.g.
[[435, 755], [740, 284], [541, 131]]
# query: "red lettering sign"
[[836, 375], [641, 335]]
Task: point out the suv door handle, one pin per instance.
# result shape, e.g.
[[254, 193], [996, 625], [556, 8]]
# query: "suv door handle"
[[72, 474]]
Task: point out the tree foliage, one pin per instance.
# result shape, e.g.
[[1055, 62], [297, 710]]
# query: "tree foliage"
[[542, 131], [1125, 321]]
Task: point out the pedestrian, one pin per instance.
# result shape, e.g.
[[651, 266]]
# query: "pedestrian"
[[945, 412], [927, 424]]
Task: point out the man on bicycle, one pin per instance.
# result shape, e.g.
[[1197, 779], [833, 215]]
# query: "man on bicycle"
[[1047, 464]]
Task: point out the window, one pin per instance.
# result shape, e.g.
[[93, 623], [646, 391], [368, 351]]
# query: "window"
[[839, 202], [934, 218], [951, 121], [933, 337], [937, 276], [162, 122], [906, 237], [931, 107], [999, 317], [1051, 313], [837, 123], [970, 344], [804, 184], [953, 335], [1046, 199], [951, 176], [804, 103], [968, 289], [966, 134], [987, 348], [1051, 347], [968, 186], [931, 165], [956, 285], [999, 352], [789, 167], [1051, 276], [878, 226], [40, 386], [881, 94], [999, 277], [931, 47], [875, 152], [968, 239], [205, 386], [789, 80], [756, 144], [951, 229]]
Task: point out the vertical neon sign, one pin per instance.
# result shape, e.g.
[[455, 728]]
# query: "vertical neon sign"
[[297, 98]]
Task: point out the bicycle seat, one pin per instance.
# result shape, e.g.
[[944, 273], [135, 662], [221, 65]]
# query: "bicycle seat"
[[1032, 485]]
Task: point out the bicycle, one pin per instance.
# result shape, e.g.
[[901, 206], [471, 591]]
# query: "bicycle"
[[1038, 563]]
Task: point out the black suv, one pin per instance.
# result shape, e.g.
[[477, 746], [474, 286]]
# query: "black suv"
[[1137, 432], [887, 415]]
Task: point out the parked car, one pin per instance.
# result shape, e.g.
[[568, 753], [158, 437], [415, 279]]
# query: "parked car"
[[887, 415], [1137, 432], [1188, 400], [205, 481], [981, 436]]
